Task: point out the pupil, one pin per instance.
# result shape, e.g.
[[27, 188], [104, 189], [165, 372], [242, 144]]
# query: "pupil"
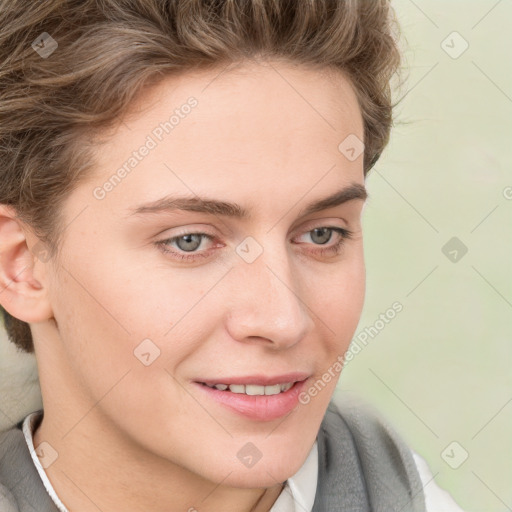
[[193, 239], [324, 230]]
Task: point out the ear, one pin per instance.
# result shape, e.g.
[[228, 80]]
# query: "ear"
[[21, 294]]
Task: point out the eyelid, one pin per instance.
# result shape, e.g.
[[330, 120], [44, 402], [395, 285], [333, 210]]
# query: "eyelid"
[[322, 222], [342, 235], [201, 229], [192, 229]]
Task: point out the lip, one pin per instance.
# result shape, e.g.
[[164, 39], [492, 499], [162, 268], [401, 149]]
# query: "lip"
[[257, 407], [259, 380]]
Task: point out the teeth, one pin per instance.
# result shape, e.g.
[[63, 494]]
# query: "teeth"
[[237, 388], [253, 389], [272, 390], [286, 387]]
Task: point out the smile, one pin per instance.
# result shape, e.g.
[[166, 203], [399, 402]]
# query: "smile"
[[255, 401], [252, 389]]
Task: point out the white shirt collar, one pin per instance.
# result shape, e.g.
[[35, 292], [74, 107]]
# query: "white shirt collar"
[[28, 429], [298, 494]]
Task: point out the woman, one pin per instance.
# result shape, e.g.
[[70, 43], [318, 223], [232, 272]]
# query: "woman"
[[181, 246]]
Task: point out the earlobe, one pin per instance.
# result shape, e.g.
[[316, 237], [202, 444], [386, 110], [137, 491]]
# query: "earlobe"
[[22, 295]]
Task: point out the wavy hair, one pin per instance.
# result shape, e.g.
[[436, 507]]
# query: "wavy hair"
[[110, 50]]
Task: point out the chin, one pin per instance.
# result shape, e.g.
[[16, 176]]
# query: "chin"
[[252, 479], [264, 473]]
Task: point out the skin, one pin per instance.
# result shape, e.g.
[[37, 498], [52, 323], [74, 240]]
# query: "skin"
[[134, 437]]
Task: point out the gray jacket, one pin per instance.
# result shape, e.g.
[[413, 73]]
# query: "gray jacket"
[[363, 466]]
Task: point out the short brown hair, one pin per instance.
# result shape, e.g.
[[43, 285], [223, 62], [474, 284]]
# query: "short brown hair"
[[108, 51]]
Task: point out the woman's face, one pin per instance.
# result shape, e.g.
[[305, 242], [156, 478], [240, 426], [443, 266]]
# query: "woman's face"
[[150, 301]]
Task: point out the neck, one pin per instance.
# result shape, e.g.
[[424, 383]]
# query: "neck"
[[84, 479], [101, 466]]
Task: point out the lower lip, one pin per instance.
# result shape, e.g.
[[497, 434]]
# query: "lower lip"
[[257, 407]]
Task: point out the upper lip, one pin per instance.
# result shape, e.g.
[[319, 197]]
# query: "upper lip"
[[261, 380]]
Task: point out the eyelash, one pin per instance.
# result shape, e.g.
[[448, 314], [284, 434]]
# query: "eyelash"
[[334, 249]]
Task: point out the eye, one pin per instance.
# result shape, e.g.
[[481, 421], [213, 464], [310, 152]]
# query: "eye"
[[186, 245], [322, 235]]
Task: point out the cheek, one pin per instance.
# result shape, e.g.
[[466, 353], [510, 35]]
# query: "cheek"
[[108, 306], [112, 311], [337, 295], [338, 305], [95, 327]]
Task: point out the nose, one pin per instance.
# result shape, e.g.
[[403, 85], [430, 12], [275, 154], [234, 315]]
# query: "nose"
[[268, 304]]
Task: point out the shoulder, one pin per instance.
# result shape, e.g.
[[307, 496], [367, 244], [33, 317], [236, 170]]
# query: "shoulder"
[[367, 459], [436, 498], [379, 443], [11, 446], [377, 440], [21, 488], [12, 443], [7, 501]]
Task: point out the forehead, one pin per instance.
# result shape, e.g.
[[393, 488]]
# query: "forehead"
[[252, 127], [256, 82]]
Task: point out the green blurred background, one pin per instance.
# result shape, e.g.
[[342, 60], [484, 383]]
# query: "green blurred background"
[[441, 369]]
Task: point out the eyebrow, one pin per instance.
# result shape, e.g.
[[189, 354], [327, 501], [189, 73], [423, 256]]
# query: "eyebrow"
[[216, 207]]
